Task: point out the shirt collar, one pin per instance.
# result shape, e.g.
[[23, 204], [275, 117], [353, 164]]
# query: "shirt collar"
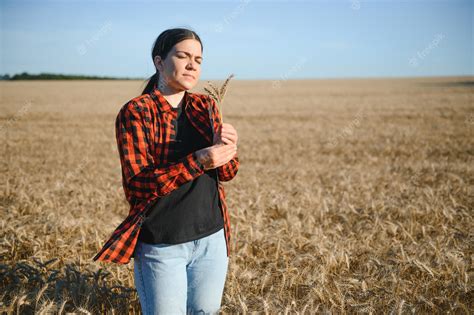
[[164, 105]]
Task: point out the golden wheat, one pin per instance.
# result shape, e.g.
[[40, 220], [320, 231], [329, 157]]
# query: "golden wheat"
[[353, 196], [218, 94]]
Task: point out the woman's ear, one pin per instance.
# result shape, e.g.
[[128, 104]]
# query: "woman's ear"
[[158, 63]]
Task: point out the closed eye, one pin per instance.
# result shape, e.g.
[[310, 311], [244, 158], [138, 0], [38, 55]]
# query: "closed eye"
[[198, 59]]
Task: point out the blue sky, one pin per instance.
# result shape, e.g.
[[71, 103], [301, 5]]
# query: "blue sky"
[[250, 38]]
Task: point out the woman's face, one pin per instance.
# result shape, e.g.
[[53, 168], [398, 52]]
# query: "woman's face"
[[181, 68]]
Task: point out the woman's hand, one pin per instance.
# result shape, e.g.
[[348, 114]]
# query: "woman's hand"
[[226, 134], [216, 155]]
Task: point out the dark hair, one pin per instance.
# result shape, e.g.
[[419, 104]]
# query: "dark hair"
[[162, 46]]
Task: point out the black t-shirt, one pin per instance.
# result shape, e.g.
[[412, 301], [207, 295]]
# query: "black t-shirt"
[[192, 210]]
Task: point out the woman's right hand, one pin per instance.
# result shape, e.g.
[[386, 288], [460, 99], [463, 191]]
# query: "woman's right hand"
[[216, 155]]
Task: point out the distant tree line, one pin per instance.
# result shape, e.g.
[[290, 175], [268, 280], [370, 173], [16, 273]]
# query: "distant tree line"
[[53, 76]]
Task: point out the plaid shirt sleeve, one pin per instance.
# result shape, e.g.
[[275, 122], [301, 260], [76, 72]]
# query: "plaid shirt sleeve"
[[142, 177], [229, 170]]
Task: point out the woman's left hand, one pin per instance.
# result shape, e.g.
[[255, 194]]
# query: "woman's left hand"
[[227, 134]]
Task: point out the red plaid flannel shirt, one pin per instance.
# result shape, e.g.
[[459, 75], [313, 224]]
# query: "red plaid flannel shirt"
[[143, 128]]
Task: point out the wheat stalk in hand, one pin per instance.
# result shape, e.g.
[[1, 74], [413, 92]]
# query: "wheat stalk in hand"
[[218, 94]]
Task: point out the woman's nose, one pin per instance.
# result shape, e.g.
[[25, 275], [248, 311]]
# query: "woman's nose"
[[191, 65]]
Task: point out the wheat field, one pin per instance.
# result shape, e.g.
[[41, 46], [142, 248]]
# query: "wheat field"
[[353, 196]]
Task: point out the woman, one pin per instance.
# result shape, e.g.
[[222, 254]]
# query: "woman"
[[174, 153]]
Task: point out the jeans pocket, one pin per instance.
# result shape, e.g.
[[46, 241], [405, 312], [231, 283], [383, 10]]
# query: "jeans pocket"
[[137, 250], [217, 234], [217, 242]]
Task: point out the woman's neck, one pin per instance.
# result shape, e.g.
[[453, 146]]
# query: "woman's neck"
[[174, 98]]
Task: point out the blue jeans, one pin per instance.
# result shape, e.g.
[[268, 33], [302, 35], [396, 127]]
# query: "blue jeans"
[[186, 278]]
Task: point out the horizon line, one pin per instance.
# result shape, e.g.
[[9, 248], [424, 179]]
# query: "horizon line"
[[117, 78]]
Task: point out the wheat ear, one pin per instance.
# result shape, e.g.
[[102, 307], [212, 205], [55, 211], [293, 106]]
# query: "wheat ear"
[[218, 94], [224, 87]]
